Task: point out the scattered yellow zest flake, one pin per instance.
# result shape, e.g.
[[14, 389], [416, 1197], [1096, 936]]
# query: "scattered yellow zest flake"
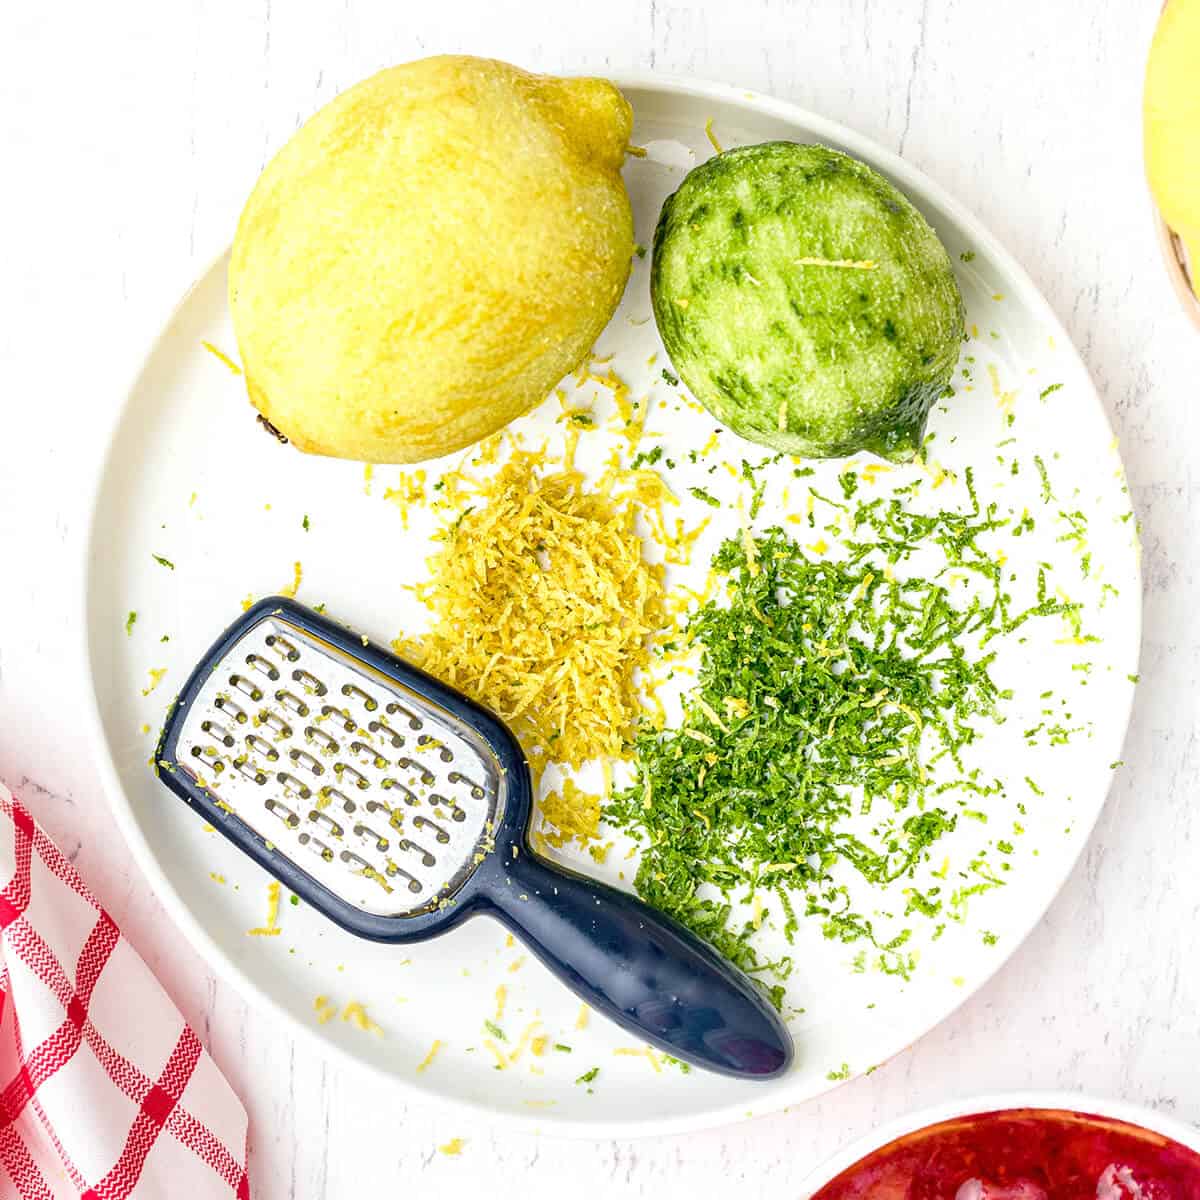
[[297, 578], [636, 151], [574, 813], [757, 916], [538, 1045], [410, 490], [736, 707], [1006, 400], [997, 295], [368, 475], [848, 264], [191, 500], [516, 964], [682, 301], [545, 609], [524, 1041], [326, 1010], [355, 1012], [271, 928], [820, 546], [145, 728], [501, 1000], [501, 1061], [712, 137], [156, 677], [640, 1052], [452, 1148], [581, 1021], [216, 877], [509, 940], [974, 331], [222, 356], [248, 602], [958, 980], [433, 1052]]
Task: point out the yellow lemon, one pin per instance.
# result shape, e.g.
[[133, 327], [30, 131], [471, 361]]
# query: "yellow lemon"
[[1172, 123], [429, 255]]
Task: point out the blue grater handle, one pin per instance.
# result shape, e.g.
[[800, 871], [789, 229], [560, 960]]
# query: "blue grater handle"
[[641, 969]]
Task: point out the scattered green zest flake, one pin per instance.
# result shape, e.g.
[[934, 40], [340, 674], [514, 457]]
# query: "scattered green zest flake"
[[562, 1048], [967, 256], [639, 249], [1047, 494], [304, 523], [1047, 391], [646, 458], [1120, 762], [989, 939], [130, 622], [849, 483], [163, 562], [495, 1031], [166, 637], [843, 1072], [1033, 787], [824, 690], [588, 1076], [670, 377], [684, 1068], [706, 496], [295, 900], [319, 607]]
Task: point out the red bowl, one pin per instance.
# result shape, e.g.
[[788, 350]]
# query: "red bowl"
[[1020, 1148]]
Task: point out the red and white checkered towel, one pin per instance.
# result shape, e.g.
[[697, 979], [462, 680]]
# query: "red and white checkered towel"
[[105, 1091]]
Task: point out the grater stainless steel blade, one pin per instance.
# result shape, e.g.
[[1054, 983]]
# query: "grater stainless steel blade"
[[397, 807], [383, 797]]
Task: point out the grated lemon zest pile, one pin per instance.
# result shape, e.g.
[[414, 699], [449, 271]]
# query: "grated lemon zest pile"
[[574, 813], [271, 928], [325, 1009], [545, 607], [452, 1148]]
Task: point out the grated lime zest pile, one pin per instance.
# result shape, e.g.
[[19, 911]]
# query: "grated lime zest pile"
[[826, 690]]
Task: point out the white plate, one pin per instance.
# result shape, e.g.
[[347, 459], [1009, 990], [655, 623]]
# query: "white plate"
[[1132, 1114], [186, 429]]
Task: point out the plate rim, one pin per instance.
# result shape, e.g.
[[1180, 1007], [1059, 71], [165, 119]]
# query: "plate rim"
[[215, 956], [1141, 1115]]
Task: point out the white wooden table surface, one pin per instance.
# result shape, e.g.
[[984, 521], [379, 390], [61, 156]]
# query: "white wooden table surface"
[[129, 136]]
